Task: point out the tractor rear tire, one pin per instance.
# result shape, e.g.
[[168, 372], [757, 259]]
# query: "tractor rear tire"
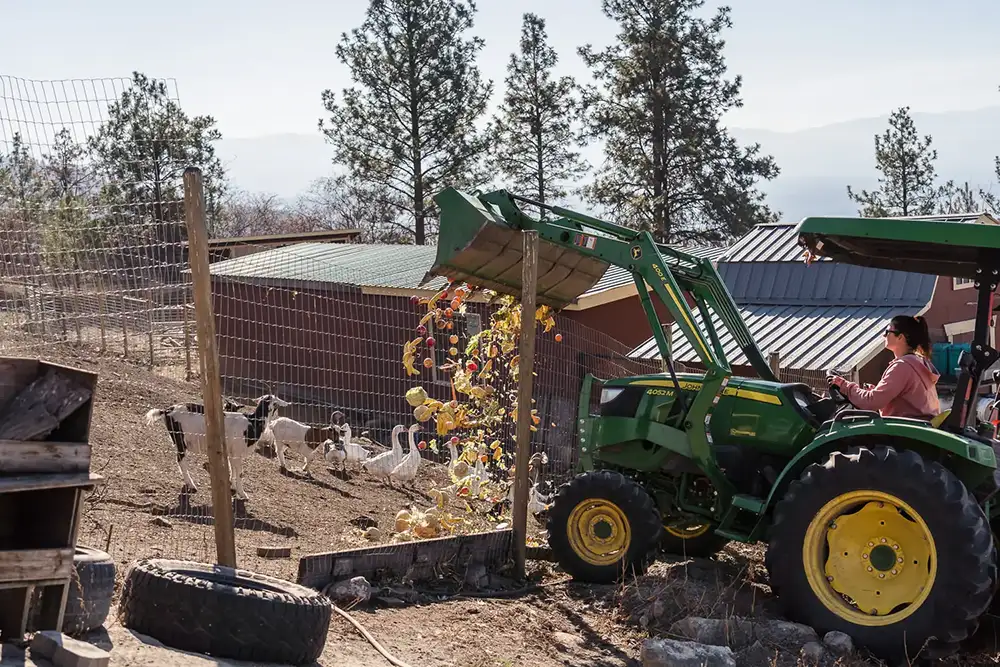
[[603, 527], [696, 543], [917, 557]]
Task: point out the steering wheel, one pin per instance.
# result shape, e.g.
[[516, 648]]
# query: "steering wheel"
[[835, 393]]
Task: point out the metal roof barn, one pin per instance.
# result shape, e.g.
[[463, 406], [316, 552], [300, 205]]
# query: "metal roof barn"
[[399, 267], [819, 316]]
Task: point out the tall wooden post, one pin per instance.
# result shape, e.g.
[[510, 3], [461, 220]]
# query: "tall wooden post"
[[774, 361], [211, 384], [526, 367]]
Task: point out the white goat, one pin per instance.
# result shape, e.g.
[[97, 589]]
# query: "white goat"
[[185, 423], [307, 440]]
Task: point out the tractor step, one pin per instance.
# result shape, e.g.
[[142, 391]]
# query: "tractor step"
[[743, 511]]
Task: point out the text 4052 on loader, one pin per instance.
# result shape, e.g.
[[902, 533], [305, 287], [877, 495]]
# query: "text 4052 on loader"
[[877, 527]]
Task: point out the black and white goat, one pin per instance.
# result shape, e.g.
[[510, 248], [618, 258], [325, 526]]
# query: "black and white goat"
[[185, 423]]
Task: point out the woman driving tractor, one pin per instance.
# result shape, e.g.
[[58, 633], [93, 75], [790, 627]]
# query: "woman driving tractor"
[[908, 388]]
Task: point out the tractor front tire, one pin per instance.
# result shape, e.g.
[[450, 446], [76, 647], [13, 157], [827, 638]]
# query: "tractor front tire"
[[887, 547], [696, 542], [603, 527]]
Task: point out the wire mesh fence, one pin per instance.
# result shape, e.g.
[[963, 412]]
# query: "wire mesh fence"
[[92, 259], [815, 380], [94, 273]]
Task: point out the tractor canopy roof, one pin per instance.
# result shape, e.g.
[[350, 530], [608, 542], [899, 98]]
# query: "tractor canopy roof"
[[934, 247]]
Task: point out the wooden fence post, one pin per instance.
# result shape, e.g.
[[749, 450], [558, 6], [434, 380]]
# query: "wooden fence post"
[[150, 325], [774, 361], [526, 367], [187, 342], [211, 384]]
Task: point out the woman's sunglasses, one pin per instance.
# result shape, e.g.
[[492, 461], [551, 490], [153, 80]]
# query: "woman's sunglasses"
[[890, 331]]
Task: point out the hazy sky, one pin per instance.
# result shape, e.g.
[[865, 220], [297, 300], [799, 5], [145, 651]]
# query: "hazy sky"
[[259, 66]]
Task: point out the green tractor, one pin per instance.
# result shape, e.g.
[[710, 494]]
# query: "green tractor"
[[877, 527]]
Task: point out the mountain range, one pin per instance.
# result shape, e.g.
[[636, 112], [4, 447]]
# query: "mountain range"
[[817, 164]]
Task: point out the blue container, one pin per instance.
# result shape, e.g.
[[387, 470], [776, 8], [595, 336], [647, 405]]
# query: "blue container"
[[939, 357]]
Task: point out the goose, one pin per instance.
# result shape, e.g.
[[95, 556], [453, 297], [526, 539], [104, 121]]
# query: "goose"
[[406, 471], [478, 477], [384, 463], [356, 453]]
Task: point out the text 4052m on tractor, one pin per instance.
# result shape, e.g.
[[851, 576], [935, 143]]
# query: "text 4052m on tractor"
[[878, 527]]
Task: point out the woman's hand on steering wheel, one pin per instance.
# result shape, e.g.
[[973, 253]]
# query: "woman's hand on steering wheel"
[[837, 383]]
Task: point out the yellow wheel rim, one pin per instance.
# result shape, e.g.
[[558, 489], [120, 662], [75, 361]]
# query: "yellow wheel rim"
[[870, 558], [688, 533], [599, 532]]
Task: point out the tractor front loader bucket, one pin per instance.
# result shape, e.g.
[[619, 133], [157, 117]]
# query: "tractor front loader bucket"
[[478, 245]]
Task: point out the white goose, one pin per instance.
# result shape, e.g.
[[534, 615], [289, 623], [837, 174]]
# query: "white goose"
[[407, 469], [384, 463], [357, 453]]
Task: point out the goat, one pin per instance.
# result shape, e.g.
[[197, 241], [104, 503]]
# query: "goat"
[[309, 441], [185, 423]]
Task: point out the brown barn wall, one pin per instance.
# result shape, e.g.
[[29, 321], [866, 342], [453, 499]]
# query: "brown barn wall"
[[324, 350], [624, 320]]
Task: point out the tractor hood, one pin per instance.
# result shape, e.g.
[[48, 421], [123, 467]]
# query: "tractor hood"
[[932, 247]]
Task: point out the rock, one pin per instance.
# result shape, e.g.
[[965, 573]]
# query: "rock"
[[838, 643], [671, 653], [756, 655], [735, 633], [64, 651], [351, 591], [785, 633], [372, 533], [160, 521], [566, 641], [390, 601], [812, 653]]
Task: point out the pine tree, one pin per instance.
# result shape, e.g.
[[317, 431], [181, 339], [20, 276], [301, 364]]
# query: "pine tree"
[[141, 151], [954, 198], [408, 125], [535, 145], [670, 166], [906, 162]]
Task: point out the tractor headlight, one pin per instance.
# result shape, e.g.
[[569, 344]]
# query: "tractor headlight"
[[610, 393]]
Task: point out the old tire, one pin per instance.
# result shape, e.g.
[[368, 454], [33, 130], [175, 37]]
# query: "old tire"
[[896, 533], [695, 542], [88, 600], [90, 591], [225, 613], [603, 527]]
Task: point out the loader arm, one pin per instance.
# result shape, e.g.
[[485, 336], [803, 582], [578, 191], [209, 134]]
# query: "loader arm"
[[479, 243]]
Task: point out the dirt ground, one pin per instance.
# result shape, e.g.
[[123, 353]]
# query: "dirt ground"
[[139, 512]]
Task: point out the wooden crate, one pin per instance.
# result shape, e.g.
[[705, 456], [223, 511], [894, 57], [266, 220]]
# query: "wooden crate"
[[45, 416]]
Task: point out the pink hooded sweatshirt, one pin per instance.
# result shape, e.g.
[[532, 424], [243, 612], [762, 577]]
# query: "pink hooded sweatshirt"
[[907, 389]]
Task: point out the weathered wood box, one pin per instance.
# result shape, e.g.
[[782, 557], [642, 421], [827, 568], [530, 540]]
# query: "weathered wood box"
[[45, 413]]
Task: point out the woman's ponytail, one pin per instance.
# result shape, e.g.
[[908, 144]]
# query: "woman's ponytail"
[[916, 333]]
